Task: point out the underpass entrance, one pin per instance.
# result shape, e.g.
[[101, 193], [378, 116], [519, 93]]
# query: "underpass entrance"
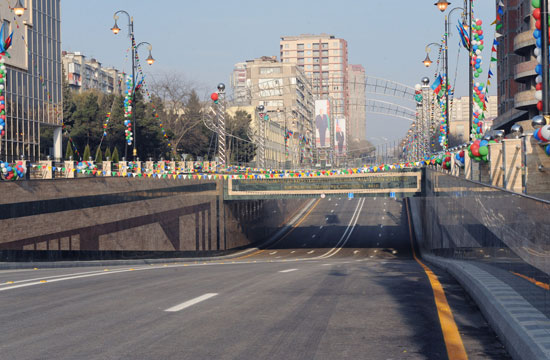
[[388, 184]]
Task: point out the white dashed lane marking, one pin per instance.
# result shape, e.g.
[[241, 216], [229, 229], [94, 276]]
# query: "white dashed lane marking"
[[191, 302], [287, 270]]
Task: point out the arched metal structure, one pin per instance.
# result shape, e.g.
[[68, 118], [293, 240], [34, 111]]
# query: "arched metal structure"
[[390, 109], [379, 86]]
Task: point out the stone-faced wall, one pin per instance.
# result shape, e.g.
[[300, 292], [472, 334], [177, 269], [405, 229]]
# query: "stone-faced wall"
[[131, 215]]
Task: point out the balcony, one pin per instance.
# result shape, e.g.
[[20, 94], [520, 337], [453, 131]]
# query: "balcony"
[[525, 70], [524, 42], [525, 99]]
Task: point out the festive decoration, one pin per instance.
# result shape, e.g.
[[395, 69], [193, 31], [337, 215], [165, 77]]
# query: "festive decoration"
[[214, 96], [128, 111], [479, 150], [479, 89], [4, 46], [459, 156], [106, 123], [537, 34], [12, 171]]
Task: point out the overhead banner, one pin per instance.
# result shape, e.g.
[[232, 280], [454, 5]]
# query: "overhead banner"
[[322, 124], [340, 139]]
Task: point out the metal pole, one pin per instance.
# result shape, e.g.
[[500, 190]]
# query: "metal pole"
[[133, 85], [446, 85], [471, 75], [544, 54]]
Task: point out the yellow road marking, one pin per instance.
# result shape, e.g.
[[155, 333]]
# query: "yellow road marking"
[[451, 336], [534, 281]]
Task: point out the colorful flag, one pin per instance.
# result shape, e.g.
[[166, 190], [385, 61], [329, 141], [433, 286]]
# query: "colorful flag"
[[463, 35], [436, 86]]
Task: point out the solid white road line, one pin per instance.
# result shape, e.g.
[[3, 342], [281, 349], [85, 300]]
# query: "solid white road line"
[[273, 253], [287, 270], [54, 277], [347, 233], [311, 252], [191, 302]]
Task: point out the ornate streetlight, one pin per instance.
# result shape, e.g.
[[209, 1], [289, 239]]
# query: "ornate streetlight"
[[115, 29], [19, 8]]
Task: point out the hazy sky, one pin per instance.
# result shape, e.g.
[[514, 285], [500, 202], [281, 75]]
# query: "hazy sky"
[[203, 39]]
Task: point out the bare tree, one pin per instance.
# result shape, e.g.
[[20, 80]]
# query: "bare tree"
[[181, 107]]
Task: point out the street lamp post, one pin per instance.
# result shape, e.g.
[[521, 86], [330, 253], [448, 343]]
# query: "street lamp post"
[[115, 29], [442, 5]]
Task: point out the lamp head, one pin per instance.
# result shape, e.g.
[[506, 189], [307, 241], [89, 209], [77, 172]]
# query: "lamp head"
[[150, 59], [427, 62], [19, 8], [442, 5], [115, 29]]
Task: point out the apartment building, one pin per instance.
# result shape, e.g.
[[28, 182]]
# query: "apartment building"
[[286, 93], [357, 121], [460, 113], [85, 74], [324, 61], [516, 65]]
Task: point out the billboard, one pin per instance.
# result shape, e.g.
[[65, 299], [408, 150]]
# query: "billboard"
[[340, 139], [322, 124]]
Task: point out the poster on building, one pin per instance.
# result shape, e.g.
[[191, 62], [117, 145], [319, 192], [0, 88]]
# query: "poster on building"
[[340, 140], [322, 124]]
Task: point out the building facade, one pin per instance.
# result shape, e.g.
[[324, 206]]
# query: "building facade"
[[33, 79], [357, 120], [84, 74], [241, 95], [286, 93], [516, 65], [324, 60], [460, 113]]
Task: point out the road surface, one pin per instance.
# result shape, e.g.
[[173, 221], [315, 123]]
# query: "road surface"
[[342, 284]]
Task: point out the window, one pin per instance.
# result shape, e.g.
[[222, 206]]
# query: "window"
[[270, 70], [316, 53], [316, 46], [308, 52], [309, 46], [300, 53], [286, 46], [325, 45], [316, 60], [300, 46], [324, 53]]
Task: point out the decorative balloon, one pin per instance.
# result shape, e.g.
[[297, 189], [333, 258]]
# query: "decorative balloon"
[[128, 134]]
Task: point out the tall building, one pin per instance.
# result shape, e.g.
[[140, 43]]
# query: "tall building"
[[85, 74], [516, 65], [286, 93], [33, 79], [241, 94], [324, 60], [357, 103], [460, 113]]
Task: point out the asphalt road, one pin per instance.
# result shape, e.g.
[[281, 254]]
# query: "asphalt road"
[[340, 285]]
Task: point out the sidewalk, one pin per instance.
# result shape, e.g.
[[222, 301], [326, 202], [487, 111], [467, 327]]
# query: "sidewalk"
[[523, 329]]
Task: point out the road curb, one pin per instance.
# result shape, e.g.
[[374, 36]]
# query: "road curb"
[[523, 329], [70, 264]]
